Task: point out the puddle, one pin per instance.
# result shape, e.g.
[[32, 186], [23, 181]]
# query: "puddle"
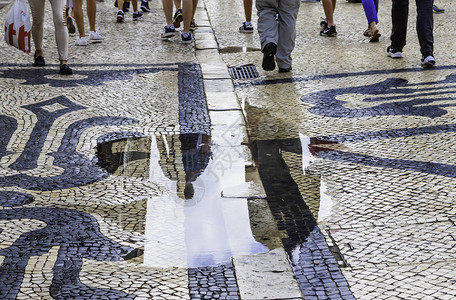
[[190, 224], [238, 49]]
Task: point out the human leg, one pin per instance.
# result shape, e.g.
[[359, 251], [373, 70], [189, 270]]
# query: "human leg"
[[79, 17], [61, 35], [268, 31], [37, 10], [399, 18], [425, 26], [247, 26], [288, 13]]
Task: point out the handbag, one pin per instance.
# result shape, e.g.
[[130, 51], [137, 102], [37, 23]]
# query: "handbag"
[[17, 26]]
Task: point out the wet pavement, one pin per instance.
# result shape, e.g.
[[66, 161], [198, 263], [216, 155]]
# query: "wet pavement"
[[161, 170]]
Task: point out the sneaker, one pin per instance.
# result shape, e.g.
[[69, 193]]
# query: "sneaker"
[[169, 31], [120, 16], [145, 6], [125, 6], [393, 53], [437, 10], [329, 31], [70, 24], [285, 70], [246, 27], [186, 37], [178, 18], [65, 70], [193, 26], [137, 16], [428, 61], [38, 61], [82, 41], [269, 52], [323, 24], [95, 37]]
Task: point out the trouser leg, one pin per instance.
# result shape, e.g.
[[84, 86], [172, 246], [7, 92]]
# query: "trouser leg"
[[399, 17], [61, 31], [267, 23], [288, 13], [425, 26], [370, 9], [37, 9]]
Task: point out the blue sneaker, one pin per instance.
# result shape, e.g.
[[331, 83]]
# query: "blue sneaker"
[[186, 37], [169, 31], [145, 6]]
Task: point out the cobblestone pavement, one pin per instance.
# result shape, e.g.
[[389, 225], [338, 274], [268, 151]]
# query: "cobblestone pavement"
[[153, 173]]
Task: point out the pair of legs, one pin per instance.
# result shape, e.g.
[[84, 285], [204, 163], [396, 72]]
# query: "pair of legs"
[[424, 25], [186, 6], [79, 16], [281, 32], [61, 32]]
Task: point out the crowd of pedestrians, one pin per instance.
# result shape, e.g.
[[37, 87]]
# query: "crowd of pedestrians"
[[276, 26]]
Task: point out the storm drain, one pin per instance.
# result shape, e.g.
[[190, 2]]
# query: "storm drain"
[[243, 72]]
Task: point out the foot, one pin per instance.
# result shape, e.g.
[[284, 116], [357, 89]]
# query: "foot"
[[120, 16], [246, 27], [82, 41], [374, 34], [65, 70], [329, 31], [38, 61], [168, 32], [95, 37], [137, 16], [269, 52], [393, 53], [428, 61], [186, 37], [70, 24], [145, 6], [178, 18], [285, 70]]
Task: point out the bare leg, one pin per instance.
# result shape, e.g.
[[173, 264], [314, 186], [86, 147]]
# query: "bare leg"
[[79, 17], [329, 10], [168, 9], [248, 10], [92, 13]]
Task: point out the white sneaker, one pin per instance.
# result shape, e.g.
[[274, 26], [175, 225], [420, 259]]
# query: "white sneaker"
[[95, 37], [428, 61], [82, 41]]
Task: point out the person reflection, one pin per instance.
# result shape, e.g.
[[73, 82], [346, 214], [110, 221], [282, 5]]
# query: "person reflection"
[[195, 148]]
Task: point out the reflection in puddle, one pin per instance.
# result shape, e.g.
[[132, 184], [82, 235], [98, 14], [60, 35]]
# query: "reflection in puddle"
[[190, 224]]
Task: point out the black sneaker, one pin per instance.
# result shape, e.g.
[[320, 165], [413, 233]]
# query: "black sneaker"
[[269, 52], [145, 6], [393, 53], [125, 6], [246, 28], [428, 61], [137, 16], [437, 10], [323, 25], [193, 26], [38, 61], [329, 31], [65, 70], [120, 16], [70, 24], [178, 18], [285, 70]]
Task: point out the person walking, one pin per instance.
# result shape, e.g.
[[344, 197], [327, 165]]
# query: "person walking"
[[247, 26], [424, 28], [78, 15], [137, 14], [277, 31], [328, 28], [61, 33], [188, 9], [371, 11]]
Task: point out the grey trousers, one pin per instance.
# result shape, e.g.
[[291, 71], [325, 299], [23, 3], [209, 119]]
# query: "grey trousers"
[[281, 31]]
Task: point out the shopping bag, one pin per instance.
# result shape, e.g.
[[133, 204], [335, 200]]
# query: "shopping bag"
[[17, 26]]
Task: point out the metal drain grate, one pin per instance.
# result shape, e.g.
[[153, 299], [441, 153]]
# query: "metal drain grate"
[[243, 72]]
